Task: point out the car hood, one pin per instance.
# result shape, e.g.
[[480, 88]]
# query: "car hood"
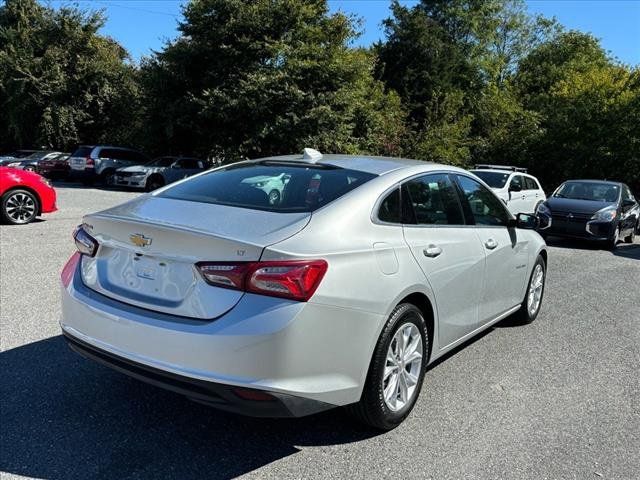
[[136, 168], [557, 204]]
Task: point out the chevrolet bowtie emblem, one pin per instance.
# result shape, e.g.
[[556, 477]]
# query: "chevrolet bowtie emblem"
[[140, 240]]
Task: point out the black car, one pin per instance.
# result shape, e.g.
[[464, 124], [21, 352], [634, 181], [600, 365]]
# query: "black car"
[[592, 210]]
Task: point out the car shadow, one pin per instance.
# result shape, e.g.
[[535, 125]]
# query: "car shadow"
[[66, 417], [574, 244], [627, 250]]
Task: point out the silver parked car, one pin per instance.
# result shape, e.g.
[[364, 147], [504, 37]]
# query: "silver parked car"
[[158, 173], [363, 272]]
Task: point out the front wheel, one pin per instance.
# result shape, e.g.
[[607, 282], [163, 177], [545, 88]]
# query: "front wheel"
[[18, 207], [396, 371], [612, 243], [535, 290], [631, 237]]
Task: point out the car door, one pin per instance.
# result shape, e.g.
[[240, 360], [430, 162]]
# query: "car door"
[[529, 194], [448, 252], [506, 252], [517, 195]]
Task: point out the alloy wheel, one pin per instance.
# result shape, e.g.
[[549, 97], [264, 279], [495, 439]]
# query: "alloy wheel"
[[535, 290], [20, 207], [402, 367]]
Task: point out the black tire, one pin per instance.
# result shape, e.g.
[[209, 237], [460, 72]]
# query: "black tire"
[[274, 197], [524, 315], [372, 409], [29, 168], [106, 177], [22, 197], [612, 243], [631, 237], [153, 183]]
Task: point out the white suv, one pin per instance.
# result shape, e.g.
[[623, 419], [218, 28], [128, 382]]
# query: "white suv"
[[520, 191]]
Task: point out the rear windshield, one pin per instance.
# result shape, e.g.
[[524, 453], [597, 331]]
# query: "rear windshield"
[[274, 187], [82, 152], [493, 179]]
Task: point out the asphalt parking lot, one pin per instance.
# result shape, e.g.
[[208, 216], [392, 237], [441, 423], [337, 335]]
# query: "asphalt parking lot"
[[557, 399]]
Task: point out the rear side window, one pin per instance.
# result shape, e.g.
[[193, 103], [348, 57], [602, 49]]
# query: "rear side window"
[[435, 201], [189, 163], [530, 183], [275, 187], [82, 152], [389, 210]]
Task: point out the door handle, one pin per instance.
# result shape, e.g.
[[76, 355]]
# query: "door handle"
[[432, 251], [491, 244]]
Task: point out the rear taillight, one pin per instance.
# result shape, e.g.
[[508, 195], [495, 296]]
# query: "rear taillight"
[[293, 279], [85, 243], [89, 162]]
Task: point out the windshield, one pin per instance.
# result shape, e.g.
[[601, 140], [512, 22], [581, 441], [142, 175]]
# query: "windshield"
[[493, 179], [36, 155], [275, 187], [161, 162], [595, 191]]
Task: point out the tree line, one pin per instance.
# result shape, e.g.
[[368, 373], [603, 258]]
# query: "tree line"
[[453, 81]]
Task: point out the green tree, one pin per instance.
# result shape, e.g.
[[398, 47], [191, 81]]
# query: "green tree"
[[588, 109], [264, 77], [60, 82]]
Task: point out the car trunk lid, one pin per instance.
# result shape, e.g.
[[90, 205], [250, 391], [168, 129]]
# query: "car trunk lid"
[[149, 247]]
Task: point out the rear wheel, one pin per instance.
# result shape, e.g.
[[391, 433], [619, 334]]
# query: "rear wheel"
[[106, 177], [19, 207], [153, 183], [535, 291], [396, 371]]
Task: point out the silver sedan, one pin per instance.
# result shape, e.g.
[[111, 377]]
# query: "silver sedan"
[[338, 293]]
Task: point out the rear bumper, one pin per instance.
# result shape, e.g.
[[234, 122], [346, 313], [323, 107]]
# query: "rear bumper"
[[218, 395], [309, 356]]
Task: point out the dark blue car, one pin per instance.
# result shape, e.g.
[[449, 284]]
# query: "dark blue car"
[[592, 210]]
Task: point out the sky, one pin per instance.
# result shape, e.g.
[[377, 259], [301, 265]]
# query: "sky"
[[143, 26]]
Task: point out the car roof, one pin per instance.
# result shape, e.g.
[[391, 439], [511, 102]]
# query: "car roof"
[[364, 163], [609, 182]]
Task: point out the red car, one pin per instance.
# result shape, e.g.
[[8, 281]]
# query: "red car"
[[24, 195]]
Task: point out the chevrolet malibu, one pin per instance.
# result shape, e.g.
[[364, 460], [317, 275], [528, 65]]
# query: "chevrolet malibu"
[[338, 293]]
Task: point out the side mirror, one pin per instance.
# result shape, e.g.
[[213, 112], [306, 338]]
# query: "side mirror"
[[628, 203], [527, 221], [515, 187], [176, 166]]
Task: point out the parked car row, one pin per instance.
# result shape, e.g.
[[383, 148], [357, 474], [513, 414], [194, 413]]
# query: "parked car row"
[[106, 165], [586, 209]]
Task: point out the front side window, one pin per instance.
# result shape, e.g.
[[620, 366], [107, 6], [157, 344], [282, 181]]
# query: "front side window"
[[435, 201], [516, 183], [271, 186], [484, 206]]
